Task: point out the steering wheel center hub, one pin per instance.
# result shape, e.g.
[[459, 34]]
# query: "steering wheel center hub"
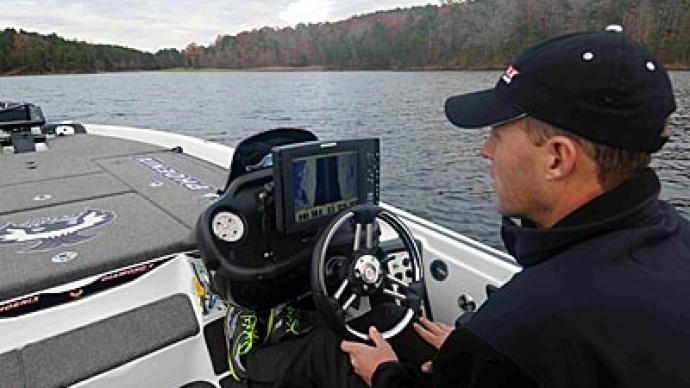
[[368, 269]]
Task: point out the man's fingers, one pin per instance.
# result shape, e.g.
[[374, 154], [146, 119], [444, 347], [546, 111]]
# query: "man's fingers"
[[427, 367], [428, 325], [426, 335], [445, 328], [350, 347], [376, 337], [433, 327], [423, 330]]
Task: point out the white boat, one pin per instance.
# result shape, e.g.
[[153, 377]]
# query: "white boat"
[[101, 280]]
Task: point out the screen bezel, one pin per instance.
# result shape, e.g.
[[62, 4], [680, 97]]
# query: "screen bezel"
[[283, 158]]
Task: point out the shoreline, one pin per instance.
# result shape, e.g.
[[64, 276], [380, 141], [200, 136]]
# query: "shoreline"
[[269, 69]]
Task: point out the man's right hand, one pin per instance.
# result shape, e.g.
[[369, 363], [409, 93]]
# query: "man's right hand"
[[435, 334]]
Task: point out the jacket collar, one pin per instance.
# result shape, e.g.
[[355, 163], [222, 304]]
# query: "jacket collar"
[[632, 203]]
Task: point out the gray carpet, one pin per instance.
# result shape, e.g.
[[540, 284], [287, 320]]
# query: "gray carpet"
[[147, 200], [11, 370], [85, 352]]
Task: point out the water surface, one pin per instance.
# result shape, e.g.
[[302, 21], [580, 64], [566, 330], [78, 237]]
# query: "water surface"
[[428, 167]]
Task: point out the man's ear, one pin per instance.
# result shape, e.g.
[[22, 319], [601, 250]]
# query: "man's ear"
[[561, 155]]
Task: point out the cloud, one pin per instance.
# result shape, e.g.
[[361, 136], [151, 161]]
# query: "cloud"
[[307, 11], [154, 24]]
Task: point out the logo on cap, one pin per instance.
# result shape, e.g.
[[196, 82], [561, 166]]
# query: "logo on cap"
[[509, 74]]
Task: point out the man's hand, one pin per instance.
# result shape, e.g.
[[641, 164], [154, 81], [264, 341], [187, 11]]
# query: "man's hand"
[[435, 334], [365, 359]]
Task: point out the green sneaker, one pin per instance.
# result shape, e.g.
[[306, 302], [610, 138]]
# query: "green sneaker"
[[290, 322], [242, 335]]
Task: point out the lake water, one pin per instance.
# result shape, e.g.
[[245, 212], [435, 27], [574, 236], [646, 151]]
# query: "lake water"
[[428, 167]]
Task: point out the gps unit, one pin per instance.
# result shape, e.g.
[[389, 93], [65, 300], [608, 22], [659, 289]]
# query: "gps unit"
[[316, 180]]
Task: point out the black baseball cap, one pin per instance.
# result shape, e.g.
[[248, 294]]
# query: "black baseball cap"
[[598, 85]]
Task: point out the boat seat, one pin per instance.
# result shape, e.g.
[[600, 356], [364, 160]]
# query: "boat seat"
[[79, 354]]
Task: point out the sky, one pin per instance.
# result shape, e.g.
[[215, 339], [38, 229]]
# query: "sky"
[[151, 25]]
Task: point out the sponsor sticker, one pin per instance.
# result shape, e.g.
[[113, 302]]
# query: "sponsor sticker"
[[170, 173], [40, 301]]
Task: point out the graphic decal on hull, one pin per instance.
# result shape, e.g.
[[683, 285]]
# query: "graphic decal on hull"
[[170, 173], [47, 233], [40, 301]]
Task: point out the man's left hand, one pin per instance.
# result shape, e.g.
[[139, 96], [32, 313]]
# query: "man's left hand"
[[365, 359]]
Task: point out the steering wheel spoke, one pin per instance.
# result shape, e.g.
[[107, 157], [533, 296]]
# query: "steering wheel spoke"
[[393, 294], [350, 300], [358, 238], [368, 229], [369, 237], [341, 289], [395, 281]]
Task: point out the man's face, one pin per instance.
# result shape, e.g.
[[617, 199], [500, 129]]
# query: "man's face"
[[515, 170]]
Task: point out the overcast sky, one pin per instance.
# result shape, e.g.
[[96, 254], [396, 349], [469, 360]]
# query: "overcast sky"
[[154, 24]]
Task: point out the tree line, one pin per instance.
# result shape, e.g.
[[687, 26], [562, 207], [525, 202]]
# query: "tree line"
[[452, 35], [24, 52], [476, 34]]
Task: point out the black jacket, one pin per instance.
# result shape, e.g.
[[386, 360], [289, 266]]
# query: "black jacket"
[[603, 301]]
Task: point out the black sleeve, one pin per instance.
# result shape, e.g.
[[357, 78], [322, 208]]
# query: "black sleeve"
[[467, 361], [399, 375], [464, 361]]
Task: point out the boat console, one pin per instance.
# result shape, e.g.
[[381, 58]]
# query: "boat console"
[[306, 221], [261, 232]]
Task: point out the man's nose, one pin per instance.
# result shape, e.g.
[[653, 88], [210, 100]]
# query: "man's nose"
[[486, 150]]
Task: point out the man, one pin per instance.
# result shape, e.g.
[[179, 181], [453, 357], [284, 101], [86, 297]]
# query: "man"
[[602, 298]]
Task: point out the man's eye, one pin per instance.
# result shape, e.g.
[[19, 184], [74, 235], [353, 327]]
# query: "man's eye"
[[493, 137]]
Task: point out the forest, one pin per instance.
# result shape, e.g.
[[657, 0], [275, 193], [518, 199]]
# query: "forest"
[[24, 52], [478, 34]]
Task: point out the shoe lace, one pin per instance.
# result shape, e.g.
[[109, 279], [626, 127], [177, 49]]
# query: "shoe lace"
[[292, 322], [248, 335]]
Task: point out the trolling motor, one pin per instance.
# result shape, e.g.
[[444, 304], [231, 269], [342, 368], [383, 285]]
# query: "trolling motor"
[[23, 128], [16, 121]]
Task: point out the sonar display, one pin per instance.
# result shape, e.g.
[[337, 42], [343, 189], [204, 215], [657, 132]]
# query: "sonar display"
[[324, 184]]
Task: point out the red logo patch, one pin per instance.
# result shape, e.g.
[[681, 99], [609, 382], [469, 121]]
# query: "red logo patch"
[[510, 73]]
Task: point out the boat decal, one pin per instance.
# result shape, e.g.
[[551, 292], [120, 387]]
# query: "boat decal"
[[41, 301], [46, 233], [173, 175], [64, 257]]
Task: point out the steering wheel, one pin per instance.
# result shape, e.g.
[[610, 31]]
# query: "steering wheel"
[[340, 284]]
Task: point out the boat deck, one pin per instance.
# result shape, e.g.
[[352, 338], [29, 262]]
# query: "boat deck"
[[91, 204]]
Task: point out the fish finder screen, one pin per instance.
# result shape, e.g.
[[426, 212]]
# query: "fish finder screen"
[[324, 184]]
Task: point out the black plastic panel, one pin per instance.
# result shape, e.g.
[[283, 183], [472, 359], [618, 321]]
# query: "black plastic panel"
[[217, 349]]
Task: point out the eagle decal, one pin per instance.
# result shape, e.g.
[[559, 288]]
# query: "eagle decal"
[[47, 233]]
